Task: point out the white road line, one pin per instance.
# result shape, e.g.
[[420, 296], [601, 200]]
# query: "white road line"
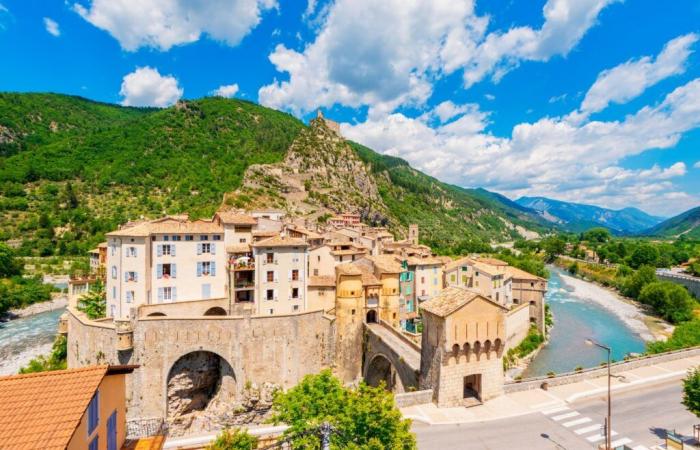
[[576, 422], [565, 416], [555, 410], [640, 447], [588, 429], [598, 437], [620, 442]]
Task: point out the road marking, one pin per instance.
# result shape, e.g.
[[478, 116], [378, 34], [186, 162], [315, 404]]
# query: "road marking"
[[555, 410], [620, 442], [565, 416], [598, 437], [576, 422], [640, 447], [588, 429]]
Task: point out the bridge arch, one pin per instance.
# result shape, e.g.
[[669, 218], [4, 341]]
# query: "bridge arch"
[[215, 311], [390, 357], [381, 370]]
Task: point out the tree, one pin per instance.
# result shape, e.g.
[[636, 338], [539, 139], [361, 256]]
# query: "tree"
[[553, 246], [691, 391], [234, 440], [634, 284], [94, 303], [10, 266], [362, 418], [71, 198], [598, 234], [645, 254], [670, 300], [56, 360]]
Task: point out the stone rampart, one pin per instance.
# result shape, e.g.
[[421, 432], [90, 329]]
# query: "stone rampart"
[[406, 399], [596, 372], [691, 283]]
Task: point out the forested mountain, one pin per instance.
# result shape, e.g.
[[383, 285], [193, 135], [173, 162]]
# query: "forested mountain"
[[578, 217], [72, 169], [685, 224]]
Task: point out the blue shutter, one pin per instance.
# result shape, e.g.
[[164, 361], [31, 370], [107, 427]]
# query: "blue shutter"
[[213, 268], [173, 293], [173, 271], [172, 250], [159, 250], [212, 248], [112, 432], [199, 248], [136, 277], [199, 269], [160, 295], [159, 270]]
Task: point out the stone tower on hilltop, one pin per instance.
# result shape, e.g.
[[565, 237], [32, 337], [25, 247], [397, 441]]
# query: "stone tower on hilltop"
[[334, 126]]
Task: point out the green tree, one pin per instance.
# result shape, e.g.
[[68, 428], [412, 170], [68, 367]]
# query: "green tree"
[[644, 254], [56, 360], [598, 234], [235, 439], [691, 392], [362, 418], [94, 303], [634, 284], [670, 300], [553, 246], [10, 266]]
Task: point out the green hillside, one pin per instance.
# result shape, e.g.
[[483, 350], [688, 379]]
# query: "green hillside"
[[72, 169], [686, 224]]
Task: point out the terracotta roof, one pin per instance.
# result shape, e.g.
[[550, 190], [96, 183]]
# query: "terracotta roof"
[[429, 261], [169, 224], [368, 278], [386, 263], [493, 261], [238, 248], [322, 280], [519, 274], [450, 300], [348, 252], [235, 218], [42, 410], [347, 269], [487, 268], [281, 241], [102, 245], [265, 233], [459, 262], [309, 234]]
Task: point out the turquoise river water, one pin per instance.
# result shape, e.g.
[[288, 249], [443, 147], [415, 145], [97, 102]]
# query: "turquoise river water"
[[575, 319]]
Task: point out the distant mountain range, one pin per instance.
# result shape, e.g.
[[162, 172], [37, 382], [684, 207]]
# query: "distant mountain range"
[[578, 217], [685, 224]]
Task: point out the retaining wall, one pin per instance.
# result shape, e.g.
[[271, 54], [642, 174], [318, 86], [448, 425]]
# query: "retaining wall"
[[692, 283], [587, 374], [413, 398]]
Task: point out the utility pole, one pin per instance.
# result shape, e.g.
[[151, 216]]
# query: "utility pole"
[[608, 420]]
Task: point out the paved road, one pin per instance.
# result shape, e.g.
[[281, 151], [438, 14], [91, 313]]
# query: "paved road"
[[639, 419]]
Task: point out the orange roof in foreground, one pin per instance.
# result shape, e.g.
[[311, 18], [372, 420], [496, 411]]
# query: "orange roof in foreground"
[[42, 410]]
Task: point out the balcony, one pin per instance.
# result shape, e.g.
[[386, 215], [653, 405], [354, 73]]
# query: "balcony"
[[239, 266], [243, 285]]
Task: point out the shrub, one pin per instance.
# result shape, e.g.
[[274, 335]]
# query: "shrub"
[[671, 301], [234, 440]]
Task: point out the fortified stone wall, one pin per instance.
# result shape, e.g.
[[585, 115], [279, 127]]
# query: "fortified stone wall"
[[517, 325], [487, 364], [276, 350]]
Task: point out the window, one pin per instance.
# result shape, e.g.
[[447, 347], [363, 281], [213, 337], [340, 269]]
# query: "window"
[[319, 258], [165, 271], [353, 312], [164, 250], [242, 240], [189, 237], [206, 267], [295, 275], [315, 272], [114, 292], [166, 238], [272, 311], [206, 291], [296, 308], [204, 237], [435, 281], [131, 252], [206, 247], [94, 444], [114, 272], [130, 276], [422, 280], [270, 276], [270, 295], [453, 278], [177, 238], [94, 413], [295, 292], [464, 279], [269, 258], [167, 293], [532, 285], [129, 296], [216, 237], [114, 249]]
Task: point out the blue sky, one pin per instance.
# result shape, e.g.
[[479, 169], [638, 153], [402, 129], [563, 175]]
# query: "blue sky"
[[594, 101]]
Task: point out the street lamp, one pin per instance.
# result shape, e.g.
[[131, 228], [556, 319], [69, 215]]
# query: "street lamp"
[[608, 420]]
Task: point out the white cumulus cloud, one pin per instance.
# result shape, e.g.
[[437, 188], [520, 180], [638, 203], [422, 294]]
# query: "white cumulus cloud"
[[147, 87], [552, 156], [162, 24], [628, 80], [52, 27], [228, 90], [388, 54], [697, 165]]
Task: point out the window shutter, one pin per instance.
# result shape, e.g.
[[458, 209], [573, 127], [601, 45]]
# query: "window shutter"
[[213, 248], [160, 295], [135, 251], [289, 276], [136, 277], [275, 292], [159, 270], [199, 248], [199, 269], [159, 250], [173, 293], [274, 277], [126, 276], [213, 268], [172, 250], [173, 271]]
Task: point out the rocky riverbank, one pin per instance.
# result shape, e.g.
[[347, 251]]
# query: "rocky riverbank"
[[632, 314], [57, 302]]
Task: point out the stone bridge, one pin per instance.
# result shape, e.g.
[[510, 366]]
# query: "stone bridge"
[[391, 357], [690, 282]]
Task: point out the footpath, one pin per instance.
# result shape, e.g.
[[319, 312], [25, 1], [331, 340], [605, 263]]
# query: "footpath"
[[540, 400]]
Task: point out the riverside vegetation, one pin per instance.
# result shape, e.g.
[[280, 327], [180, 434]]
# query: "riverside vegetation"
[[17, 291]]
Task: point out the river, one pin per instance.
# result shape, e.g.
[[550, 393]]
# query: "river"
[[22, 339], [576, 318]]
